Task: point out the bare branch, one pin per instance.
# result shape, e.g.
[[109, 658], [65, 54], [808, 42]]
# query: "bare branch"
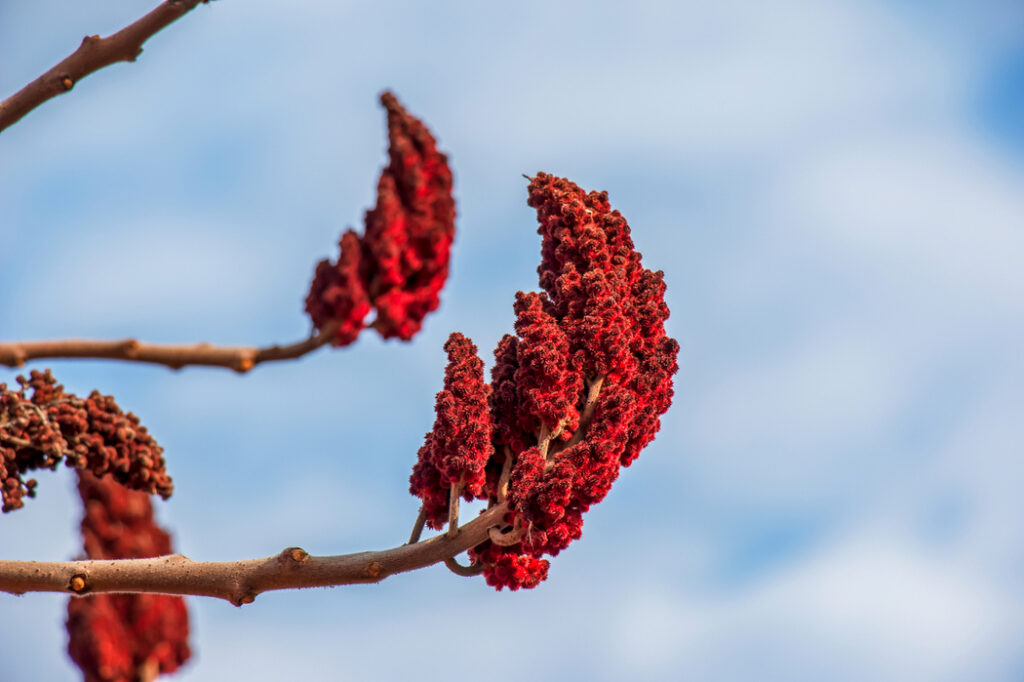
[[93, 54], [239, 582], [239, 358]]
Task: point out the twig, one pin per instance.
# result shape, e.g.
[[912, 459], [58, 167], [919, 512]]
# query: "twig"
[[593, 391], [17, 442], [545, 439], [239, 582], [465, 571], [453, 509], [507, 539], [506, 474], [417, 528], [93, 54], [239, 358], [149, 669]]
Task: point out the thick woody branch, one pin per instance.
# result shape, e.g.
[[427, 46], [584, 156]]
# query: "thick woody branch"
[[238, 358], [239, 582], [93, 54]]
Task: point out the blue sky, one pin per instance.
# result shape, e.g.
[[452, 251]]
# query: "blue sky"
[[832, 188]]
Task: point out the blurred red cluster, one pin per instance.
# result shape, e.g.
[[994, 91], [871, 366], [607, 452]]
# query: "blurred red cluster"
[[124, 637], [400, 264]]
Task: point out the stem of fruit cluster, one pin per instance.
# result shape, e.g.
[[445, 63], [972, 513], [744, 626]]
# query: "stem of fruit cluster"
[[239, 358], [239, 582]]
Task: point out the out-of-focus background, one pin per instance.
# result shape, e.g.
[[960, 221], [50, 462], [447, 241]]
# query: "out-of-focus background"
[[835, 191]]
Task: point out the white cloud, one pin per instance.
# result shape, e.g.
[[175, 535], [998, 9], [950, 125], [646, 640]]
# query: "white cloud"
[[168, 272], [934, 211], [867, 606]]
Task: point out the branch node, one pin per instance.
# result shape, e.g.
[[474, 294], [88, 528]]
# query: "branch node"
[[295, 554], [67, 83], [247, 598], [507, 539], [79, 583], [373, 570]]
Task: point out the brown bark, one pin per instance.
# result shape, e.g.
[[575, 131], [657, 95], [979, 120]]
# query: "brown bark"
[[93, 54], [239, 582], [238, 358]]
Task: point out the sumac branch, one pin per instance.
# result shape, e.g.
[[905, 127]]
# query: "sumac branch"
[[574, 396]]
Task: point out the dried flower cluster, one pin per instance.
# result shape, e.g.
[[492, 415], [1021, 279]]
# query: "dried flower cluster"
[[574, 395], [124, 637], [38, 431], [400, 263]]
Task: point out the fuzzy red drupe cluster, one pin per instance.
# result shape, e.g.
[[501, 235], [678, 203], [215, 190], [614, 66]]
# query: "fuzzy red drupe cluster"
[[38, 431], [574, 395], [124, 637], [456, 450], [400, 263]]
